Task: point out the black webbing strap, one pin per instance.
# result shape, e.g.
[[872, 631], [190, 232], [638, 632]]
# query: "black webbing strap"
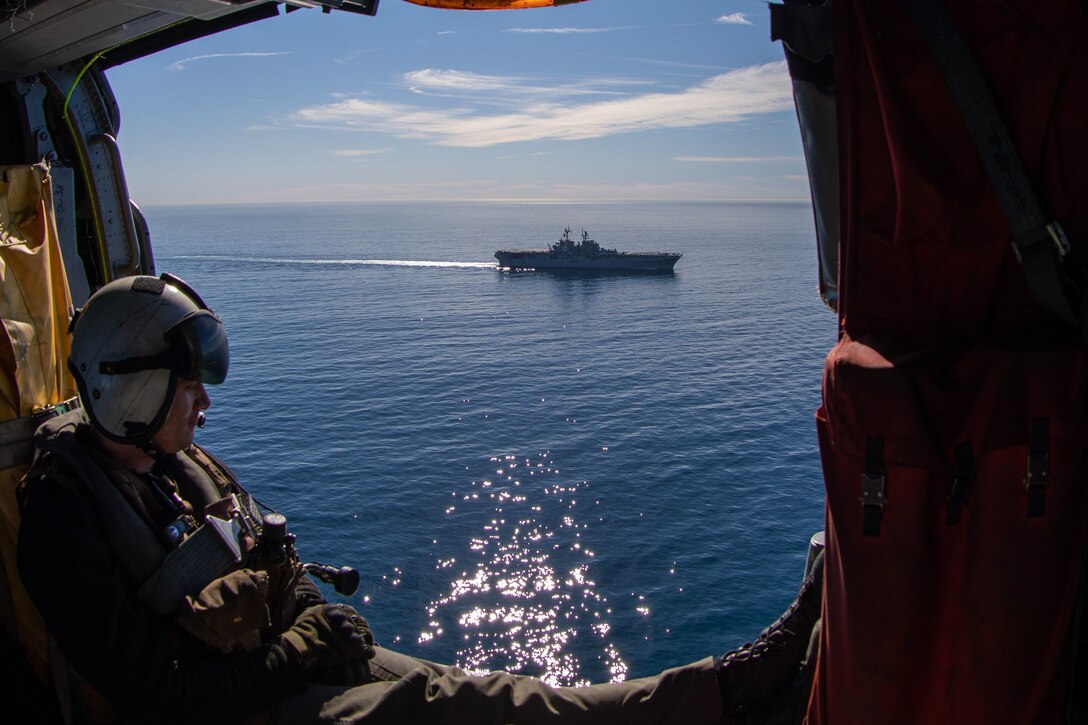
[[961, 484], [1039, 243], [1038, 466], [872, 487]]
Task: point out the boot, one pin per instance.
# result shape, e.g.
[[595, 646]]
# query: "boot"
[[765, 668]]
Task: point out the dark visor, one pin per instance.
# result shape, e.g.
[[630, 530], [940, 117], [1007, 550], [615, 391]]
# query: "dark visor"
[[201, 342], [198, 351]]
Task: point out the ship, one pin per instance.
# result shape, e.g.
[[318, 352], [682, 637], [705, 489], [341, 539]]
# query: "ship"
[[585, 254]]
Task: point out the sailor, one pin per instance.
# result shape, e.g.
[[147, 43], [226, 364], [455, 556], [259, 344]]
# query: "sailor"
[[166, 601]]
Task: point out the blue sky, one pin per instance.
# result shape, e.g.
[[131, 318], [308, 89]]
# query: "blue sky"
[[600, 100]]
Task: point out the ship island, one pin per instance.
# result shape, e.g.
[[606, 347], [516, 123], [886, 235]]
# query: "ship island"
[[586, 255]]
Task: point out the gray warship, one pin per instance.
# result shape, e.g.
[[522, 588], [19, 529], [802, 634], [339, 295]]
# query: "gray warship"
[[586, 254]]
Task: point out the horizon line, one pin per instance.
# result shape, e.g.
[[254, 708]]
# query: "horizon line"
[[486, 200]]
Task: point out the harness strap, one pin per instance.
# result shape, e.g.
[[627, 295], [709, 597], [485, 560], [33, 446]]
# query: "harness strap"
[[872, 487], [1038, 243], [1038, 466], [961, 484], [17, 434]]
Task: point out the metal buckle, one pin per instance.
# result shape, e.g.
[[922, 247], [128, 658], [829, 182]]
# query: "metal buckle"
[[1057, 236], [1060, 240], [46, 412]]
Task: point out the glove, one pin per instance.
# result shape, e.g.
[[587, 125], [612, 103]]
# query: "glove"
[[329, 634], [230, 612]]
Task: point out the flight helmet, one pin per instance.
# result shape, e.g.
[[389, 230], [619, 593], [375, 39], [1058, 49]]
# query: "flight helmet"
[[131, 342]]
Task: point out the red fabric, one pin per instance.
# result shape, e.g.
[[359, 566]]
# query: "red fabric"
[[943, 344], [936, 623], [925, 248]]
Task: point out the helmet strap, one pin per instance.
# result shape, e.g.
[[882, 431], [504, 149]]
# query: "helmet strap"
[[148, 446]]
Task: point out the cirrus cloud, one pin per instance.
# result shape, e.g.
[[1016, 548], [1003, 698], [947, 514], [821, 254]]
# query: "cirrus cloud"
[[180, 64], [564, 31], [730, 97]]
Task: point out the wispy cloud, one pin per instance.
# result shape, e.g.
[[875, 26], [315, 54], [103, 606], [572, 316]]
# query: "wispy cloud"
[[734, 19], [566, 31], [180, 65], [730, 97], [452, 80], [738, 159], [356, 153], [460, 83]]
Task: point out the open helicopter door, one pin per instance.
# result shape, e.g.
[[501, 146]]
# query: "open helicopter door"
[[954, 427]]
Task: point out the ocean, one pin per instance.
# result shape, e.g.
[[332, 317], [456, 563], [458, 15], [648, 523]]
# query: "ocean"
[[580, 477]]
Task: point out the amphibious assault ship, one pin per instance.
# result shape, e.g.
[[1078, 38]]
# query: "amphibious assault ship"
[[586, 254]]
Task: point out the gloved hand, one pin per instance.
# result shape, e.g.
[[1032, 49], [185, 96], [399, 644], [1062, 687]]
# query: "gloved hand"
[[230, 612], [330, 634]]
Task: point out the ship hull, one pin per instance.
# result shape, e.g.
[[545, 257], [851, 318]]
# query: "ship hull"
[[624, 261]]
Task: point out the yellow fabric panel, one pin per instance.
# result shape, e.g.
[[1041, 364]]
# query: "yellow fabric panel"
[[35, 307], [35, 304]]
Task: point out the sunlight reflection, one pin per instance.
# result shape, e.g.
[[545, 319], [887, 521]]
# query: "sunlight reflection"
[[524, 598]]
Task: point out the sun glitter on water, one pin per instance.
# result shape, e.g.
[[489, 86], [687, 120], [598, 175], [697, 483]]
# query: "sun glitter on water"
[[524, 598]]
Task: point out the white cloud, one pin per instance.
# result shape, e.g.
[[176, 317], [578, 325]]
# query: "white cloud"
[[431, 78], [730, 97], [180, 65], [355, 153], [452, 82], [738, 159], [562, 31], [734, 19]]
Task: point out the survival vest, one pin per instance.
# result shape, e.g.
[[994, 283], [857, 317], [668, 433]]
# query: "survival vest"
[[161, 576]]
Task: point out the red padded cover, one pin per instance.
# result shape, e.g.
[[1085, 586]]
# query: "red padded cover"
[[943, 344], [936, 623]]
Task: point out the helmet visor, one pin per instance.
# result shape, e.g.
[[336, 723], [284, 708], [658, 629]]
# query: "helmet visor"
[[201, 347]]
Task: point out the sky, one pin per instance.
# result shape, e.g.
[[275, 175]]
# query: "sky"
[[596, 101]]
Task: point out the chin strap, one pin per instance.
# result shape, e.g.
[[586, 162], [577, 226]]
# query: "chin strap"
[[152, 450]]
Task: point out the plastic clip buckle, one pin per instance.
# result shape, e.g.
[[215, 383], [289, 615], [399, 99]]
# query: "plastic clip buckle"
[[872, 502], [1035, 483], [1035, 477], [872, 490]]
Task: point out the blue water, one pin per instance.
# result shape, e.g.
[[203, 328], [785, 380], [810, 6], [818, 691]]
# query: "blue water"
[[579, 477]]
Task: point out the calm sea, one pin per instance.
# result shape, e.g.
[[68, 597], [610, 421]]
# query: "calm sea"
[[579, 477]]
